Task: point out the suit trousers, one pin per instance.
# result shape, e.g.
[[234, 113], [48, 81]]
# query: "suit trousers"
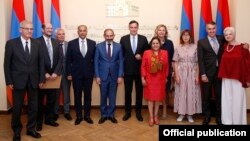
[[82, 85], [65, 89], [49, 106], [213, 86], [18, 99], [108, 90], [128, 83]]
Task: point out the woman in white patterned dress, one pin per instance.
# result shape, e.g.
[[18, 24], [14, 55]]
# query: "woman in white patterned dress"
[[187, 100]]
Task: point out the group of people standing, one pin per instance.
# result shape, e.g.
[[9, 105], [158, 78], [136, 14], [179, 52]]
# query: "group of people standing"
[[29, 63]]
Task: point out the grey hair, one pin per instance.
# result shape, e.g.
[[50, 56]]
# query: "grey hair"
[[25, 22], [59, 29], [230, 29]]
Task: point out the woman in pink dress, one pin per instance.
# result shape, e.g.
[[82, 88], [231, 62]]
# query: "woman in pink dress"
[[234, 70], [187, 100], [154, 71]]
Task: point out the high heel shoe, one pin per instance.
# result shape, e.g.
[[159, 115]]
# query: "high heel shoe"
[[156, 120], [151, 121]]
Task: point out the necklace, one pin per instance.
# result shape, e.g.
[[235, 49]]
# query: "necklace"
[[229, 50]]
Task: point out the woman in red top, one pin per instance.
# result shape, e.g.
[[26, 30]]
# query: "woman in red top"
[[154, 71], [234, 71]]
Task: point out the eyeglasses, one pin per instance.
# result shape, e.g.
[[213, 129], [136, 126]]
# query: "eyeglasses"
[[25, 28]]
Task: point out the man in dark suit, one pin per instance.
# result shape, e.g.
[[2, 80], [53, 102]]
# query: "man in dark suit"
[[65, 83], [80, 69], [52, 64], [133, 46], [109, 73], [24, 71], [210, 50]]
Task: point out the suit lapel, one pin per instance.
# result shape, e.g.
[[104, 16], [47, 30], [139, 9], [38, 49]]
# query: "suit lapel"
[[54, 47], [210, 46], [139, 43], [78, 47], [104, 51], [88, 47], [65, 47], [130, 47], [114, 51], [21, 49], [32, 49], [43, 43]]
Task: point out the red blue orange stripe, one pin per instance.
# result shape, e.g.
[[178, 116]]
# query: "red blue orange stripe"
[[187, 16], [205, 17], [55, 14], [17, 16], [222, 16], [38, 18]]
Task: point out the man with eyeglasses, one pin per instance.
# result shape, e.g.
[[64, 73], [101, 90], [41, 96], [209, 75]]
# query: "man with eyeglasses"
[[52, 64], [24, 72]]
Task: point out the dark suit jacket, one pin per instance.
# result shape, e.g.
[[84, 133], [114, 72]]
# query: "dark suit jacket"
[[132, 66], [207, 57], [63, 66], [18, 71], [105, 66], [77, 65], [57, 56], [64, 58]]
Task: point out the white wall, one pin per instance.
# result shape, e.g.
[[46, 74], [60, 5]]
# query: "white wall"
[[92, 13], [4, 26], [241, 22]]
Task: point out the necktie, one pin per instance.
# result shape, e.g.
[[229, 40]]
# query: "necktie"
[[109, 50], [27, 50], [215, 48], [214, 45], [83, 50], [62, 47], [50, 50], [133, 45]]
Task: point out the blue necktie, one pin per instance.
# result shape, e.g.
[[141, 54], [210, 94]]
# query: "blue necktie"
[[133, 45]]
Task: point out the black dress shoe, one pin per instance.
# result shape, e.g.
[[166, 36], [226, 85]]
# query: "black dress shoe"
[[52, 123], [55, 117], [102, 120], [78, 120], [39, 128], [206, 121], [17, 137], [88, 120], [34, 134], [139, 117], [126, 116], [112, 119], [68, 116], [218, 121]]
